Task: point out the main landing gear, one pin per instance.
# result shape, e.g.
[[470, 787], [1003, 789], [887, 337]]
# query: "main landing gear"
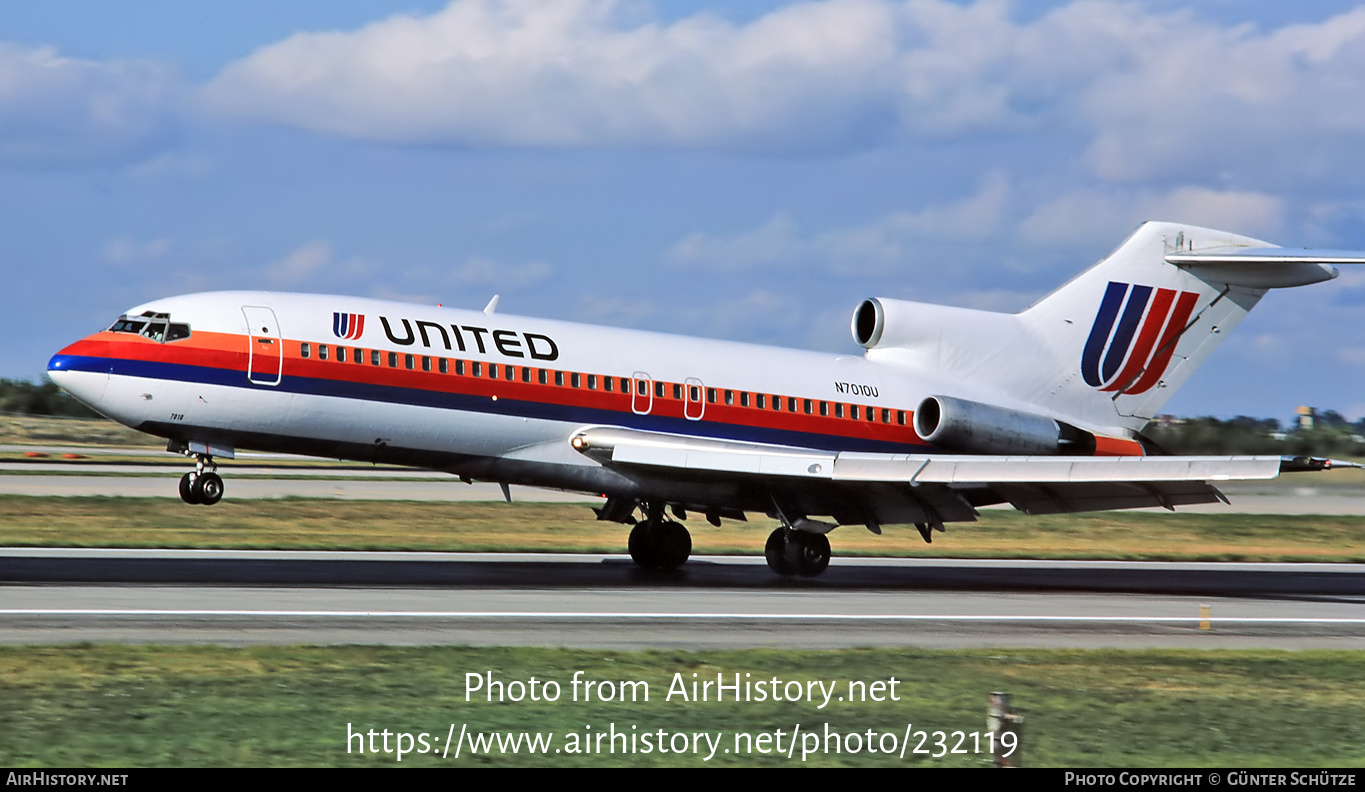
[[792, 552], [202, 487], [657, 542]]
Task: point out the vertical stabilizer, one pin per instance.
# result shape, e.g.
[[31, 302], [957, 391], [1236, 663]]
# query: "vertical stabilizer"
[[1108, 349]]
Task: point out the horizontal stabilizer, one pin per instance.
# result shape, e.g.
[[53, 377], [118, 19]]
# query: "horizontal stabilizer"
[[1264, 267]]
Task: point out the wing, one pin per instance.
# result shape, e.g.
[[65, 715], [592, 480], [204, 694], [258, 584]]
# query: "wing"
[[876, 489]]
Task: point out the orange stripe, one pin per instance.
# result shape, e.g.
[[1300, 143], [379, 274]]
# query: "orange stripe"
[[1117, 446]]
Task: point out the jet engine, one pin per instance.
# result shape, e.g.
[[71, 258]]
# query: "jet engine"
[[976, 428]]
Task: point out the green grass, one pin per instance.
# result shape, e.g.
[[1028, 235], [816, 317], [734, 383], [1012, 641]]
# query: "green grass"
[[551, 527], [142, 706]]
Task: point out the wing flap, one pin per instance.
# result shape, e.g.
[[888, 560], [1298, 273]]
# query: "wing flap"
[[630, 447]]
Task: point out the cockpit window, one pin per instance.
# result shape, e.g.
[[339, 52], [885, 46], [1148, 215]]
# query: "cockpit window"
[[156, 326]]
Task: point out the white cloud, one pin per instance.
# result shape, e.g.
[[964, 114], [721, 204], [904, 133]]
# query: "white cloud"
[[883, 245], [569, 73], [1148, 94], [126, 250], [775, 243], [477, 270], [56, 110], [1086, 217], [300, 264]]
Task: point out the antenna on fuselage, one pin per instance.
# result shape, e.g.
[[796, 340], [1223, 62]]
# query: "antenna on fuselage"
[[492, 305]]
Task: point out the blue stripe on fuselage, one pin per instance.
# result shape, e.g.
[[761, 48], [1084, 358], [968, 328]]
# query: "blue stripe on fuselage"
[[393, 394]]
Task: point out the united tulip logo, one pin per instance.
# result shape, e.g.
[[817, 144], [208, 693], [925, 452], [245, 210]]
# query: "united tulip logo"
[[1134, 335], [348, 325]]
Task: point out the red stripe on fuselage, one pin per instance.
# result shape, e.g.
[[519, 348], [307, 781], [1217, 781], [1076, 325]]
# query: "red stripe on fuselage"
[[227, 351]]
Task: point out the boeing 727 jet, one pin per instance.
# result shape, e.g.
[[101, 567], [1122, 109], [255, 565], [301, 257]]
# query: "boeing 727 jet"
[[947, 410]]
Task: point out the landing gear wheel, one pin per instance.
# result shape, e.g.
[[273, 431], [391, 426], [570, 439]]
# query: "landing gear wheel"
[[642, 545], [208, 488], [661, 544], [187, 490], [808, 553], [797, 552], [677, 545], [776, 553]]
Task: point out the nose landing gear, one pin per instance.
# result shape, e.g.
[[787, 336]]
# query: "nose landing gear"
[[203, 488]]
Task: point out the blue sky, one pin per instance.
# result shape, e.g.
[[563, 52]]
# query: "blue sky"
[[745, 170]]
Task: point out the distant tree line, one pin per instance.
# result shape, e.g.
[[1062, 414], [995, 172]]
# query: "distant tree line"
[[1331, 436], [26, 398]]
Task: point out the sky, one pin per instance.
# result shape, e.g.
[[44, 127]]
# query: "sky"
[[743, 170]]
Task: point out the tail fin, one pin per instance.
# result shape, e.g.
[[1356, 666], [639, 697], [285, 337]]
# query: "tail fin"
[[1109, 348]]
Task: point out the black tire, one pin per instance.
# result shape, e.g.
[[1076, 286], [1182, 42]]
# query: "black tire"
[[642, 545], [808, 553], [208, 487], [776, 553], [675, 545], [187, 490]]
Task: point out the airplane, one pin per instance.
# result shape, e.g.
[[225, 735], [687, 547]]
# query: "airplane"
[[946, 411]]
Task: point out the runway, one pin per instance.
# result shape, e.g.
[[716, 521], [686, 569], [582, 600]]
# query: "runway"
[[715, 602]]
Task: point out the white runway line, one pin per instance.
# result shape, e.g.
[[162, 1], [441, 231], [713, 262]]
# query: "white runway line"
[[678, 616]]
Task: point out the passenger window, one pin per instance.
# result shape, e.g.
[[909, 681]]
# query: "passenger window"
[[443, 365], [806, 407], [459, 368], [525, 374], [838, 411], [760, 401], [576, 380], [744, 399], [853, 411], [710, 395], [509, 373], [677, 391], [641, 388], [341, 354], [322, 351], [426, 363], [477, 369], [393, 360], [559, 378], [305, 350], [791, 404], [659, 390], [886, 416], [542, 377], [730, 397], [900, 417], [824, 408], [606, 384], [492, 370], [409, 362], [694, 393], [592, 382], [374, 357]]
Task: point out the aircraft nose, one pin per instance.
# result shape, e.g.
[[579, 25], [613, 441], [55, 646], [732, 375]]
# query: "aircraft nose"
[[78, 374]]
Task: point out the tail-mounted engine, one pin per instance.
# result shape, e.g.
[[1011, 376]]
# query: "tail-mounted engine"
[[975, 428]]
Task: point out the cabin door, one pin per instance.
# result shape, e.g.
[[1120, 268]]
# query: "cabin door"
[[265, 357]]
